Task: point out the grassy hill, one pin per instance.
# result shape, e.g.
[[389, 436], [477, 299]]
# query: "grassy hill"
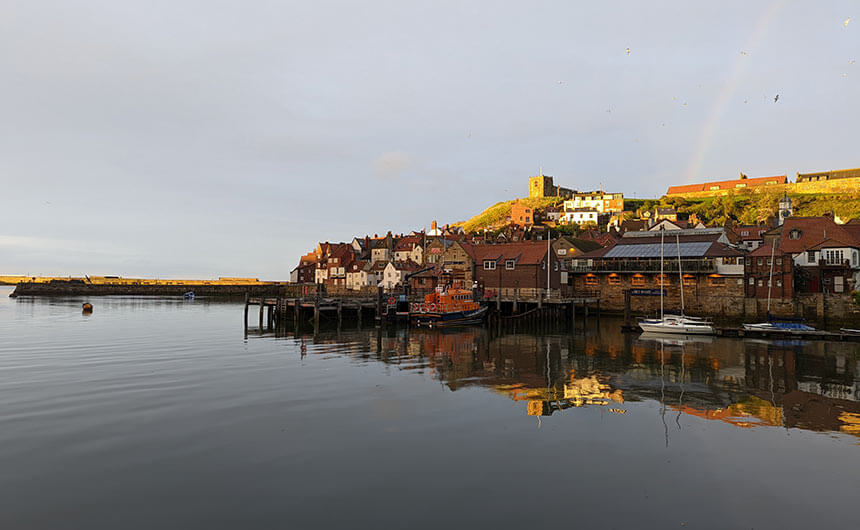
[[496, 215]]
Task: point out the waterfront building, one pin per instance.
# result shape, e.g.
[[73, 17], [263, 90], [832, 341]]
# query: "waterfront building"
[[826, 255], [712, 271], [395, 273], [769, 272], [520, 265], [458, 260], [409, 248]]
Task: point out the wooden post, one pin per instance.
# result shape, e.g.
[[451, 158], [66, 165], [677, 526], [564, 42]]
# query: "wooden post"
[[358, 315], [246, 310], [499, 299], [516, 297], [316, 316], [262, 305], [279, 314], [339, 312], [270, 316], [297, 308], [627, 308], [378, 304], [573, 314], [585, 305]]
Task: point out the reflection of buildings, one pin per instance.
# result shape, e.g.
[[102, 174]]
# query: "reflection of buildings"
[[813, 386]]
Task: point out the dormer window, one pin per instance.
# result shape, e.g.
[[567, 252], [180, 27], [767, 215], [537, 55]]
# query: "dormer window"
[[794, 234]]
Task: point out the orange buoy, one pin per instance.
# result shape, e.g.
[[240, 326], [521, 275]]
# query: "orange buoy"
[[87, 307]]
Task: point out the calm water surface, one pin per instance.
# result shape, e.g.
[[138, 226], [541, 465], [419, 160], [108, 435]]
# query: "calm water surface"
[[160, 413]]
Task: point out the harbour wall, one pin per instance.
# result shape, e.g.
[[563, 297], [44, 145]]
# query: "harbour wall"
[[78, 288]]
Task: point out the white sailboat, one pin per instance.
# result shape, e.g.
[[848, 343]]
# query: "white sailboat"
[[675, 324]]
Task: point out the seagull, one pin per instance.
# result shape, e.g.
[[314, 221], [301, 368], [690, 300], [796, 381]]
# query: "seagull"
[[845, 24], [776, 98], [844, 75], [850, 61], [744, 53], [628, 51], [469, 136], [745, 101], [662, 124], [609, 109], [560, 82], [685, 104]]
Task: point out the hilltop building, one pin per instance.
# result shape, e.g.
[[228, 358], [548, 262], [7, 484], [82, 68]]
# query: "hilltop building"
[[833, 174], [542, 186], [722, 187]]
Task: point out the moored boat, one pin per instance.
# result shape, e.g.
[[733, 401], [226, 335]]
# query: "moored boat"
[[677, 324], [447, 306]]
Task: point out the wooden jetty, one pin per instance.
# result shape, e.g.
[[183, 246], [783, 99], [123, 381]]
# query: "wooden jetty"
[[771, 334], [506, 306]]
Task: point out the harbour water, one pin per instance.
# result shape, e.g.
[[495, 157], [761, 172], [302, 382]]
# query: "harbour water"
[[156, 413]]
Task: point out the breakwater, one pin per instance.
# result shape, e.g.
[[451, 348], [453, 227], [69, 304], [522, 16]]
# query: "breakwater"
[[81, 288]]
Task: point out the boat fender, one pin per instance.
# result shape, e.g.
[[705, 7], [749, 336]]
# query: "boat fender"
[[391, 300], [87, 308], [432, 307]]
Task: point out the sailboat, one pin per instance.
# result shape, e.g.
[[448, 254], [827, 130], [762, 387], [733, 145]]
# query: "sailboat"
[[676, 324], [773, 325]]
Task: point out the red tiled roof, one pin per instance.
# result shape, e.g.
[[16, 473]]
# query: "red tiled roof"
[[811, 231], [526, 253], [765, 251], [750, 182], [831, 242]]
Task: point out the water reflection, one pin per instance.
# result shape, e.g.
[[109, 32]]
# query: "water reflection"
[[745, 383]]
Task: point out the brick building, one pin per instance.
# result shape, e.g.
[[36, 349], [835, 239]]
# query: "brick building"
[[757, 273], [516, 265]]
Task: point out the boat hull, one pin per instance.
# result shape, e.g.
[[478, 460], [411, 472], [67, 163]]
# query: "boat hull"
[[452, 318], [676, 328]]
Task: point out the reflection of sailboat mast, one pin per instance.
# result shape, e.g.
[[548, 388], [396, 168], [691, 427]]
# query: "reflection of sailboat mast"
[[681, 383], [663, 397]]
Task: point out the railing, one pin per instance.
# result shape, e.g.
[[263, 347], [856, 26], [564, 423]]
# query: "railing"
[[706, 265]]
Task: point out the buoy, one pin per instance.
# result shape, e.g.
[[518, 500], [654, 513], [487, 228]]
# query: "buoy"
[[87, 307]]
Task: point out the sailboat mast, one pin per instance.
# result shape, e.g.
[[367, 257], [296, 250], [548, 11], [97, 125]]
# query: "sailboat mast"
[[662, 234], [770, 279], [680, 274]]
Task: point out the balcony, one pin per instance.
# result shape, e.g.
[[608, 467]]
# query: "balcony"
[[644, 265]]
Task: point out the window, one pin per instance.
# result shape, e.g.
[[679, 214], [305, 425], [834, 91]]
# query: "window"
[[555, 266], [489, 265], [779, 261], [745, 232], [614, 279], [794, 234], [752, 280], [810, 256], [592, 280], [758, 262], [779, 283], [543, 265], [638, 279], [666, 280], [716, 281], [510, 264], [760, 283], [768, 262], [689, 279], [562, 251]]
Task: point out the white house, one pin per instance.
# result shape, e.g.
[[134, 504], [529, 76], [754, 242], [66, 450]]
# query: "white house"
[[580, 216]]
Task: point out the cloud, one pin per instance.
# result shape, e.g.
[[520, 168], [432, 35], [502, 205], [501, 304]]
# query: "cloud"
[[388, 166]]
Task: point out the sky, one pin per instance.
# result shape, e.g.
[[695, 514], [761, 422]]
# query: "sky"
[[197, 139]]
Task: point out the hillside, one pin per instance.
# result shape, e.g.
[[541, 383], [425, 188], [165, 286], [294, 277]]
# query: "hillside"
[[495, 215], [752, 208]]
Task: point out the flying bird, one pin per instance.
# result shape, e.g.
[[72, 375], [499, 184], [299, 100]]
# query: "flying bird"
[[745, 101], [776, 98], [469, 136], [628, 51], [844, 75], [560, 82], [850, 61], [744, 53], [845, 24]]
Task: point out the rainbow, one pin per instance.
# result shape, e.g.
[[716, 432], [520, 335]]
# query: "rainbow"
[[694, 169]]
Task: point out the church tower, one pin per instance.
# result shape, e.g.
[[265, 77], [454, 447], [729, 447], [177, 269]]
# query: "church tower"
[[785, 209]]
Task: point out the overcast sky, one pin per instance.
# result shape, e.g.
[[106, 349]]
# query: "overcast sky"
[[207, 138]]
